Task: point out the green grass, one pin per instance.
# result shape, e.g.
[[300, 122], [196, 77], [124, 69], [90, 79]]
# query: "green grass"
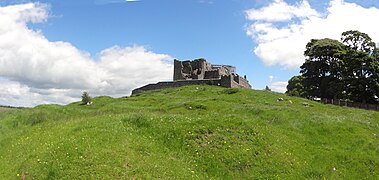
[[4, 109], [194, 132]]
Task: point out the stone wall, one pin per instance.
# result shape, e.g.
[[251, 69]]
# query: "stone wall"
[[239, 82], [186, 70], [213, 74], [199, 72], [225, 81], [174, 84], [244, 83]]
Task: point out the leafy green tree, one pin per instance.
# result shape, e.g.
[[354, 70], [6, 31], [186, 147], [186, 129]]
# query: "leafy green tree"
[[267, 88], [321, 70], [360, 73], [86, 99], [375, 76], [341, 70], [295, 87]]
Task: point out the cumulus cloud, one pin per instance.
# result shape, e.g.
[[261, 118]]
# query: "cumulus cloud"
[[282, 30], [47, 72], [277, 86], [281, 11], [16, 94]]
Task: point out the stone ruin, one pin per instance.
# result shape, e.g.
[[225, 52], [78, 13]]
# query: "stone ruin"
[[199, 71]]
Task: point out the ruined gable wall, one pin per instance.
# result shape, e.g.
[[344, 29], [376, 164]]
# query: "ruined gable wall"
[[186, 70], [178, 70]]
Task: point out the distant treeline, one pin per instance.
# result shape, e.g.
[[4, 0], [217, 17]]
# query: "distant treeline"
[[11, 107]]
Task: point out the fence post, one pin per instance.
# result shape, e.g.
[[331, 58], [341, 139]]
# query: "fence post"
[[346, 103]]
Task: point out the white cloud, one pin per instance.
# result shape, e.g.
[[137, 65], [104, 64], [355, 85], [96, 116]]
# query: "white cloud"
[[279, 10], [284, 45], [16, 94], [277, 86], [58, 72]]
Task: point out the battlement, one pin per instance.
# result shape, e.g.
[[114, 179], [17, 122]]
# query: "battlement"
[[199, 71]]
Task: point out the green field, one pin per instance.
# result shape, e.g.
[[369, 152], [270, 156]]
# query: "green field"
[[194, 132], [4, 109]]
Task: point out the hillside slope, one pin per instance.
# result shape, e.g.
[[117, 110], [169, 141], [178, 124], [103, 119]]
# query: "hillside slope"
[[190, 132]]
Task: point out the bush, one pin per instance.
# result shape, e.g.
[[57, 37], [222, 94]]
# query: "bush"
[[86, 99]]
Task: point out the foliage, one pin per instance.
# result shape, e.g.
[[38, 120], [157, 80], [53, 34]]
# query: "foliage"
[[340, 70], [86, 99], [321, 68], [267, 88], [244, 135], [359, 76], [295, 87]]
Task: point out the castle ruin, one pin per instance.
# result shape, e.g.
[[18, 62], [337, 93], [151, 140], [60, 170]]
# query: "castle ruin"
[[199, 71]]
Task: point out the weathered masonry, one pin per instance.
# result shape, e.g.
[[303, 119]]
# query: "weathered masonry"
[[199, 71]]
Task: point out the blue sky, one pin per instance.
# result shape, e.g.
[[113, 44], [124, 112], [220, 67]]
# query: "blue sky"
[[124, 43], [183, 29]]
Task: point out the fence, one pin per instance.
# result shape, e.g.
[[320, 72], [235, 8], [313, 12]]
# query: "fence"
[[351, 104]]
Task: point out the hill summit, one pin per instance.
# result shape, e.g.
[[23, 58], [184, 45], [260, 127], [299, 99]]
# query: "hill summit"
[[202, 132]]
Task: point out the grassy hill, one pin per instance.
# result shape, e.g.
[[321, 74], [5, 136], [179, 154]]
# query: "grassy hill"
[[190, 132]]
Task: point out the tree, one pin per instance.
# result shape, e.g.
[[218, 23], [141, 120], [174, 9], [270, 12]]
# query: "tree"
[[295, 87], [340, 70], [321, 69], [267, 88], [360, 72], [86, 99], [358, 41]]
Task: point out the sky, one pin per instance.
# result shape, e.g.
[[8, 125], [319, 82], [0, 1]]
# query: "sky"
[[52, 51]]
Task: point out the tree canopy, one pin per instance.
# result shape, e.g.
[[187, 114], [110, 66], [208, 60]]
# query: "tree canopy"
[[346, 69]]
